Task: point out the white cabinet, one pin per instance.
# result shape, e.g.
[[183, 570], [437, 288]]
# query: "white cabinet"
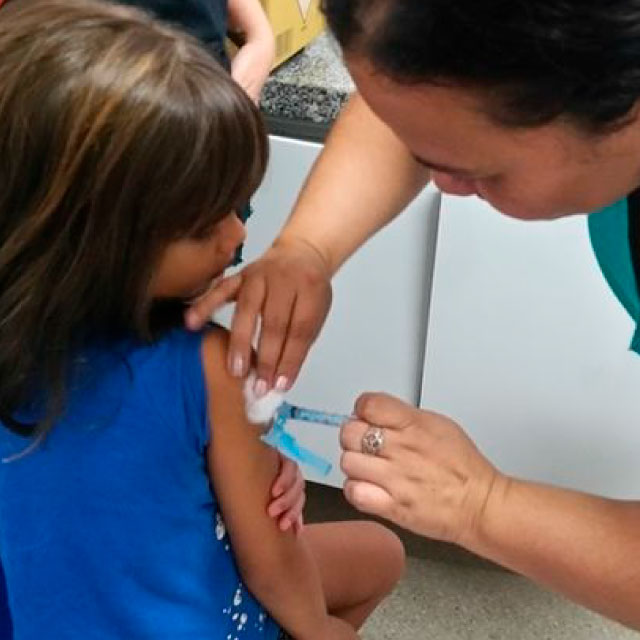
[[528, 348], [374, 337]]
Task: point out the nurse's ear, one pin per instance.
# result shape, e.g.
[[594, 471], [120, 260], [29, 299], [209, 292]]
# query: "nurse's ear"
[[621, 137], [632, 119]]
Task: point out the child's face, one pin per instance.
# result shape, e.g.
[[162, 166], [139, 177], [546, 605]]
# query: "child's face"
[[188, 267]]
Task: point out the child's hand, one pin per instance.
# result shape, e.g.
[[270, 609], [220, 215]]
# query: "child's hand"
[[289, 496], [252, 64]]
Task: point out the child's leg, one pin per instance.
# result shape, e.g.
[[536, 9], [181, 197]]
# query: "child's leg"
[[360, 564]]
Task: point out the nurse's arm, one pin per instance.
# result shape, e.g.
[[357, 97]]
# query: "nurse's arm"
[[362, 180], [586, 547]]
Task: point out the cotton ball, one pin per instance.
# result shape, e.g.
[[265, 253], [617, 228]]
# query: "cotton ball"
[[261, 410]]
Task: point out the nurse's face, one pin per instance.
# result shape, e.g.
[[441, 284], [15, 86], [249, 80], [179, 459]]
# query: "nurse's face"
[[531, 173]]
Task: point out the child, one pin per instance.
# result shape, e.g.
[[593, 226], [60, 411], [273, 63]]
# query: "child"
[[133, 493], [207, 20]]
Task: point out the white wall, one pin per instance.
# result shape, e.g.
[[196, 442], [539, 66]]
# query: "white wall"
[[529, 349]]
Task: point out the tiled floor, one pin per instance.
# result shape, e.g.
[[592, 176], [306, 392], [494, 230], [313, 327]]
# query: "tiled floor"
[[450, 595]]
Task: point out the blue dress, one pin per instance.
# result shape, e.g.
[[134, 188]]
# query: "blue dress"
[[5, 616], [109, 528]]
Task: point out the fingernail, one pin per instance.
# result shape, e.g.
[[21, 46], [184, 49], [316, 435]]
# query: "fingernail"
[[192, 321], [237, 366], [260, 388], [282, 383]]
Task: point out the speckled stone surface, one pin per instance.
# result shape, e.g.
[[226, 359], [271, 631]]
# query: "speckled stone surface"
[[312, 86]]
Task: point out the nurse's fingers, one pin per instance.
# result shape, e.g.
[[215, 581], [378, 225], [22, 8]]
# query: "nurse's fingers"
[[243, 326], [369, 498], [352, 434], [361, 466], [384, 410], [311, 307], [276, 314], [201, 310]]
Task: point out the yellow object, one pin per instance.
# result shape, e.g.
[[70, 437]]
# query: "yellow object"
[[295, 24]]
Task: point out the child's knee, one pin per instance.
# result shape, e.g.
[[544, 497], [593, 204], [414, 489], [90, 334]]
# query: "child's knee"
[[396, 557], [389, 553]]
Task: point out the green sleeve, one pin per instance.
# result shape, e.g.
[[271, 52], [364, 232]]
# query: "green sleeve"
[[609, 233]]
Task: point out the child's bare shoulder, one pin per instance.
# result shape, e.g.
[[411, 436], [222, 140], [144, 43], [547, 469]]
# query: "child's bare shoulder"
[[226, 394], [215, 345]]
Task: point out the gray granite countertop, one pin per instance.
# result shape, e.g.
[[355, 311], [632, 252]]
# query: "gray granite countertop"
[[312, 86]]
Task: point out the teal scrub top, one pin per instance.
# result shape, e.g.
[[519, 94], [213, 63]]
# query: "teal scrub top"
[[615, 241]]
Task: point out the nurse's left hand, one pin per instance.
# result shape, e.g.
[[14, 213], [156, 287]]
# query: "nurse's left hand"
[[428, 476], [289, 497]]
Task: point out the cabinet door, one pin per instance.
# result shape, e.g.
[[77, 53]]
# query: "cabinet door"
[[529, 349], [374, 336]]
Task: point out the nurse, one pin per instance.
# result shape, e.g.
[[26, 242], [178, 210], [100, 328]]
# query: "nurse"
[[534, 107]]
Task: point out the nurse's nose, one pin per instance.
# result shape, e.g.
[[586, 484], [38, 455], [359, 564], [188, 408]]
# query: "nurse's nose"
[[453, 185]]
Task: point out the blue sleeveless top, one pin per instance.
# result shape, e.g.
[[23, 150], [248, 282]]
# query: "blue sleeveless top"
[[109, 528]]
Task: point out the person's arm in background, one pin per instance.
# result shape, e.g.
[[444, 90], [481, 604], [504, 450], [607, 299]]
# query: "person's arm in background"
[[362, 180], [277, 567], [250, 28]]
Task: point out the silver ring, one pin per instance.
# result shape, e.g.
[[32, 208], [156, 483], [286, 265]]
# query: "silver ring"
[[372, 441]]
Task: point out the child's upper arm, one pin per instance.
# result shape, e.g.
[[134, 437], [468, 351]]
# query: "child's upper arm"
[[277, 566], [241, 466]]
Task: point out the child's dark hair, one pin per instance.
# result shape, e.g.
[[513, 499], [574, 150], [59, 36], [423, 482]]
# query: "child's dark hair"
[[535, 60], [117, 136]]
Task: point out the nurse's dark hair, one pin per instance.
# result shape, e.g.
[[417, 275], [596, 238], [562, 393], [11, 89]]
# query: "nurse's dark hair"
[[535, 60], [117, 136]]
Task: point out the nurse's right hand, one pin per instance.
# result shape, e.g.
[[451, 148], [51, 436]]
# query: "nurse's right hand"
[[426, 475], [289, 290]]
